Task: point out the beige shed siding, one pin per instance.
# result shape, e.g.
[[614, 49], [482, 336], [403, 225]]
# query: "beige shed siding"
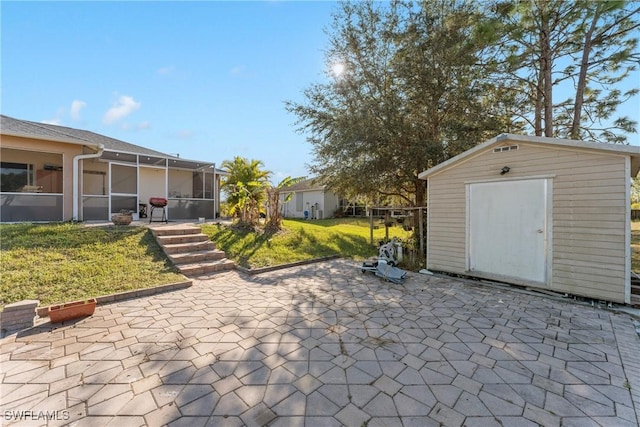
[[588, 215]]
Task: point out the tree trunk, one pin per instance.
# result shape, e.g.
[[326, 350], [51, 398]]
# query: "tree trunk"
[[545, 68], [582, 78], [538, 105]]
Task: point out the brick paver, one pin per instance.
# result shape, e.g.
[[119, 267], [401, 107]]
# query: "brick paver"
[[324, 345]]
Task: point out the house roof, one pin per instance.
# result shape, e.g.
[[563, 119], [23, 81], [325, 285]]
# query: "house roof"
[[310, 184], [25, 128], [29, 129], [615, 149]]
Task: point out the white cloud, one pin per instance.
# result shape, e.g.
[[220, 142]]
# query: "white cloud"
[[124, 106], [238, 70], [184, 134], [76, 106], [164, 71], [135, 126], [57, 119]]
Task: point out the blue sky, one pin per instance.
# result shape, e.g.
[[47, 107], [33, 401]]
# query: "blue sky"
[[207, 80]]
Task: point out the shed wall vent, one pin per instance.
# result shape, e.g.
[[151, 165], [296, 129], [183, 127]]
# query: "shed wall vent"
[[507, 148]]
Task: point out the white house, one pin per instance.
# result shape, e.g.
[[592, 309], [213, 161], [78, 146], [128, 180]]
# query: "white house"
[[57, 173], [311, 200]]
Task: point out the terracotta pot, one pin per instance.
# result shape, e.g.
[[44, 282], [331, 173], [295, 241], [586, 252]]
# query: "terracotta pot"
[[72, 310], [122, 219]]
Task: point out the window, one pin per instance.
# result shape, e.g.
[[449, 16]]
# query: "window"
[[299, 202], [16, 177]]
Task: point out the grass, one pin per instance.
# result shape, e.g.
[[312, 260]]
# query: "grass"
[[57, 263], [635, 246], [300, 240]]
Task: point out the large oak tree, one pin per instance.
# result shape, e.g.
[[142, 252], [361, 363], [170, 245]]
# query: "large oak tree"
[[424, 81], [412, 93]]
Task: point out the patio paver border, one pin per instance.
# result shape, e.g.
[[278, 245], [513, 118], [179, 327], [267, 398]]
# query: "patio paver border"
[[43, 312]]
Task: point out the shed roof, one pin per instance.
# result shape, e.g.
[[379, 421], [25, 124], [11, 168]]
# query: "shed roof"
[[614, 149]]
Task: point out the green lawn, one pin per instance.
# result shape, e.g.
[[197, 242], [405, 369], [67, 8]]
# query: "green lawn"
[[63, 262], [57, 263], [301, 240]]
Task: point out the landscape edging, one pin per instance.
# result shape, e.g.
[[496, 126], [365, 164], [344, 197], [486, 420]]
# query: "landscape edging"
[[136, 293], [254, 271]]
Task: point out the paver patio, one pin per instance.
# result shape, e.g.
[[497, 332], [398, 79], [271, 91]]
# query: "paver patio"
[[324, 345]]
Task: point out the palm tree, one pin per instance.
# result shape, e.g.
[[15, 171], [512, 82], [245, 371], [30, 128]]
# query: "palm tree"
[[245, 187], [274, 210]]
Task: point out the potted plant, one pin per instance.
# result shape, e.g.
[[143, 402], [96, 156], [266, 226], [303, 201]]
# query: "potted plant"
[[123, 218], [72, 310]]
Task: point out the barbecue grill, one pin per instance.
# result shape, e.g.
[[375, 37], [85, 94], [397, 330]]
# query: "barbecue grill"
[[158, 202]]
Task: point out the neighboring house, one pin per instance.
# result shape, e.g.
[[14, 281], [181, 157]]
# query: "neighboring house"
[[310, 197], [540, 212], [56, 173]]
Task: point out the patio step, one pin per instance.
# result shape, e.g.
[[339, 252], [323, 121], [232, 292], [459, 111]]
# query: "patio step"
[[197, 256], [179, 248], [200, 268], [182, 238], [191, 251], [175, 230]]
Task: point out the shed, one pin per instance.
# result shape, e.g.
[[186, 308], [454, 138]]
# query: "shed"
[[540, 212]]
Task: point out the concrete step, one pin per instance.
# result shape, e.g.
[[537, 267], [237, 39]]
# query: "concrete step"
[[186, 238], [196, 257], [180, 248], [200, 268], [191, 251], [175, 230]]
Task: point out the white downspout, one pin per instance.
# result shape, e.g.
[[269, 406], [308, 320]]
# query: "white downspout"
[[76, 177], [215, 193]]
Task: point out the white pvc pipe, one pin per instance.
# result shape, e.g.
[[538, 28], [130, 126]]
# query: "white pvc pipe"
[[76, 177], [215, 194]]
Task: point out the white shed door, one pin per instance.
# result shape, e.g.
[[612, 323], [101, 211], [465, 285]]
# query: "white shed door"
[[508, 228]]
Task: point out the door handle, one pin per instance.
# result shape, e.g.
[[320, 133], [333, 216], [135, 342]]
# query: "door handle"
[[540, 230]]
